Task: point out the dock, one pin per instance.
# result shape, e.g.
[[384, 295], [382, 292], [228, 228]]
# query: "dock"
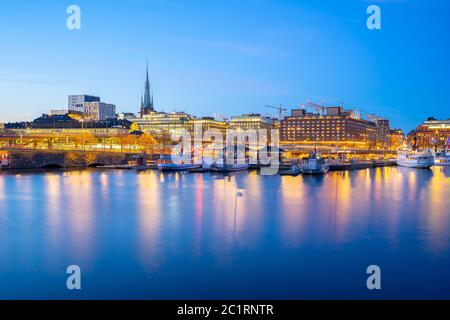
[[129, 167], [361, 165]]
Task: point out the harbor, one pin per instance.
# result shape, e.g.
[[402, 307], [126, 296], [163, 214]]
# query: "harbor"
[[39, 159], [221, 229]]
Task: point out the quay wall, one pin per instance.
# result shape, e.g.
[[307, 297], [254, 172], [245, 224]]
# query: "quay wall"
[[35, 159]]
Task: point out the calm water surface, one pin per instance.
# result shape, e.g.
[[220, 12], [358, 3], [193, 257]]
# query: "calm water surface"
[[153, 235]]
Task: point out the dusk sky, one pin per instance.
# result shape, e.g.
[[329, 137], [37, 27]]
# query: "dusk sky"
[[227, 57]]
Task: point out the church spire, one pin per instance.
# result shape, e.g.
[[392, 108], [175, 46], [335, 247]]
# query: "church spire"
[[148, 101]]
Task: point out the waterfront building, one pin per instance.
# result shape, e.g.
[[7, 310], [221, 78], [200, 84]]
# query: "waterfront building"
[[76, 102], [58, 112], [51, 132], [97, 111], [338, 127], [161, 124], [72, 120], [432, 133], [147, 106], [383, 130], [127, 116], [396, 139], [251, 122], [55, 121], [206, 123]]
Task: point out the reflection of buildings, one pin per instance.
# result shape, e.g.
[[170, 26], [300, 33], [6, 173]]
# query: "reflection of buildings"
[[337, 126], [431, 133]]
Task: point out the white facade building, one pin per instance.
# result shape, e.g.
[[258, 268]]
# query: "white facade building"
[[97, 111]]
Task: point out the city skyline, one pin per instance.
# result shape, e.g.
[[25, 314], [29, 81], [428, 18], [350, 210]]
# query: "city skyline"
[[270, 54]]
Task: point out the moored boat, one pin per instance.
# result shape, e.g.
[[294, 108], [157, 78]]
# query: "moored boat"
[[229, 167], [415, 159], [240, 162], [314, 164], [166, 163], [442, 158]]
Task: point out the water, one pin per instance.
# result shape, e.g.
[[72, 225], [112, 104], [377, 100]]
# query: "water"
[[159, 236]]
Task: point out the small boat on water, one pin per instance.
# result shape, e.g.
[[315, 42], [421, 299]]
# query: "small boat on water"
[[226, 167], [222, 165], [410, 158], [442, 158], [314, 164], [165, 163]]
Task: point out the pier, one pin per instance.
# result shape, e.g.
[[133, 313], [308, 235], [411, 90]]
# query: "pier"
[[17, 159]]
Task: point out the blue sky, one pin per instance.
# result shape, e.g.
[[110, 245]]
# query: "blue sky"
[[227, 57]]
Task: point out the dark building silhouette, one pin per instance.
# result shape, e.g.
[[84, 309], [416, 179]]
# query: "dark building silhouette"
[[147, 100]]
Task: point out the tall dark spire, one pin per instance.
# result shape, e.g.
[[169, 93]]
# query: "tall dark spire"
[[148, 100]]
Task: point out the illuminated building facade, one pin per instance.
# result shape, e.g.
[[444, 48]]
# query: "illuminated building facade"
[[72, 131], [160, 124], [253, 121], [336, 127], [396, 139], [430, 134], [206, 123]]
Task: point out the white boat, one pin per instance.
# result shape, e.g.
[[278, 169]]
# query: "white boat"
[[314, 164], [165, 163], [415, 159], [442, 158]]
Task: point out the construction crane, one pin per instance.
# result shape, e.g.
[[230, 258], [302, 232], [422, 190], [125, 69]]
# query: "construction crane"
[[371, 117], [280, 108], [215, 115], [316, 107]]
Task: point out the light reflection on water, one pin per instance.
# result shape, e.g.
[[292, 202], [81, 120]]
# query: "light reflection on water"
[[157, 235]]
